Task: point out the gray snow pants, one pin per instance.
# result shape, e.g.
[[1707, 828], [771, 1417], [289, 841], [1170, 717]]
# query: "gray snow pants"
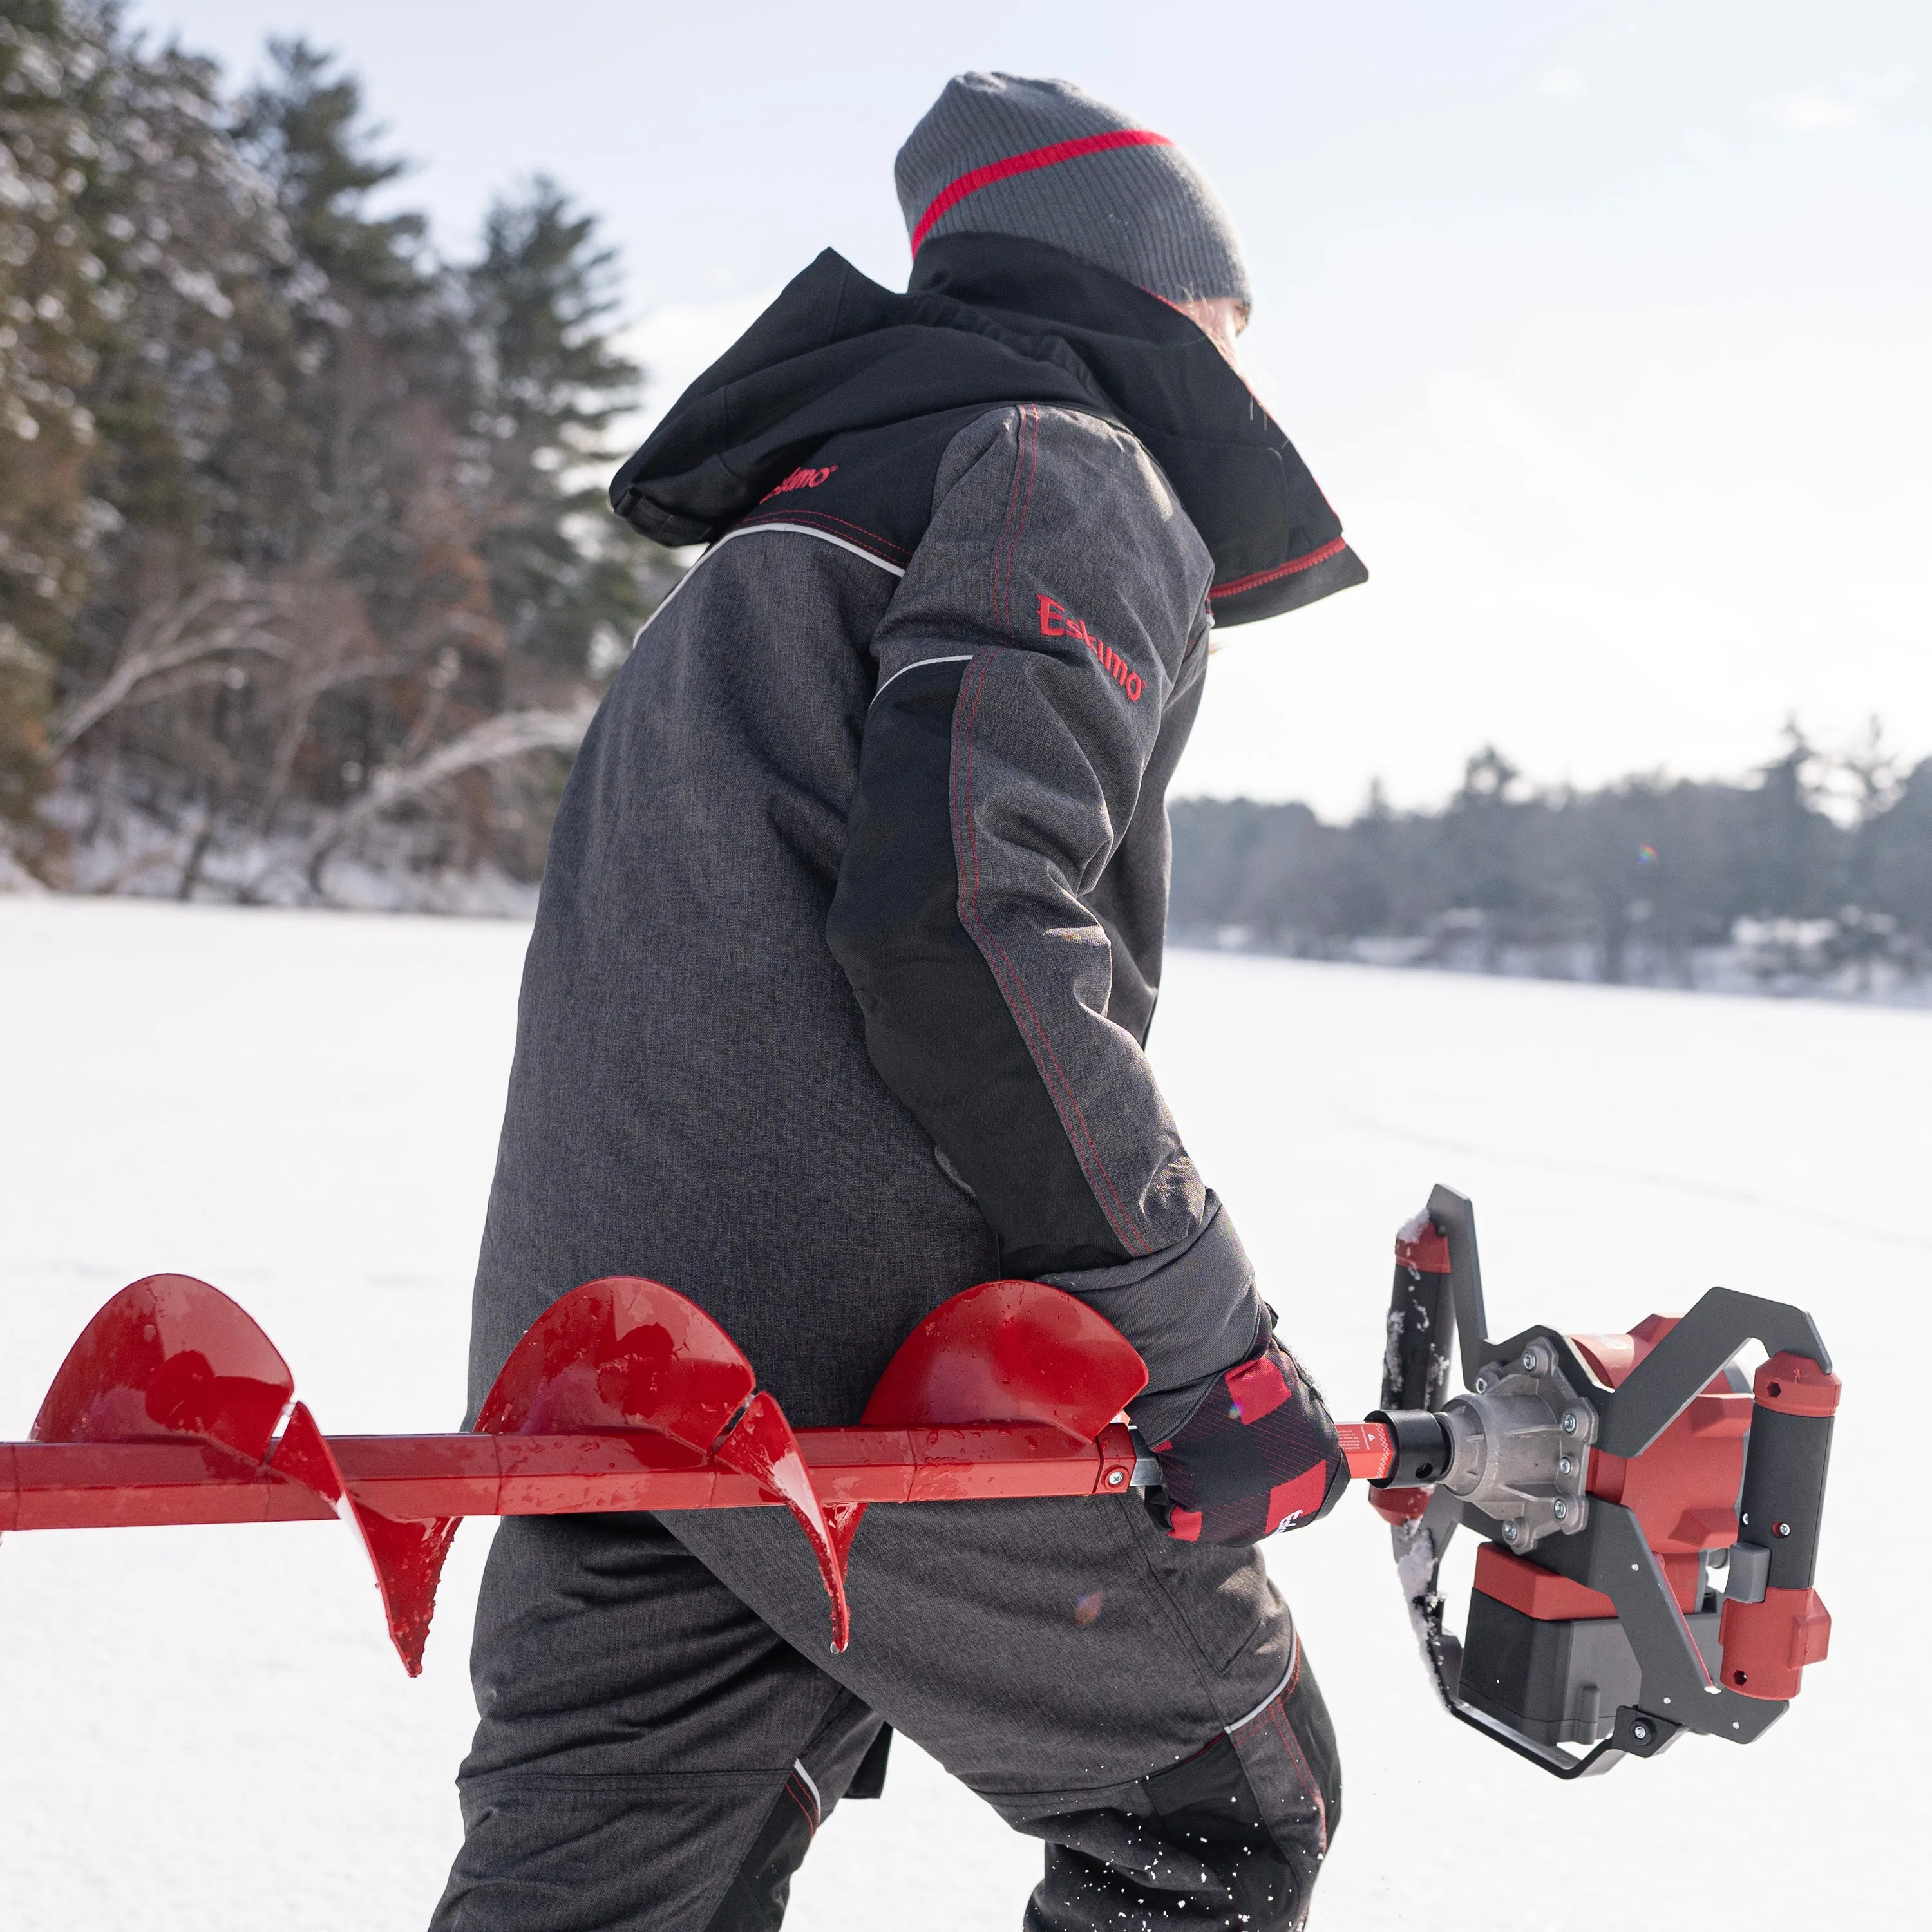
[[665, 1727]]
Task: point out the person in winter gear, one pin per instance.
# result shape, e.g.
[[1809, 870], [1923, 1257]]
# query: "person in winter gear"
[[837, 1001]]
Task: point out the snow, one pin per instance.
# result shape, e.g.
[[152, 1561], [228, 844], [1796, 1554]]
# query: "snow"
[[206, 1729], [388, 866]]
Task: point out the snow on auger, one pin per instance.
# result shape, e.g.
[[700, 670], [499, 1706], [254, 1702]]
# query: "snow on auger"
[[1609, 1474]]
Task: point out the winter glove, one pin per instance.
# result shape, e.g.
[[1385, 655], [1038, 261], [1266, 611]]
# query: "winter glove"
[[1257, 1453]]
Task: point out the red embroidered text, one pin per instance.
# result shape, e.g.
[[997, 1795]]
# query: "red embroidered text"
[[799, 479], [1055, 621]]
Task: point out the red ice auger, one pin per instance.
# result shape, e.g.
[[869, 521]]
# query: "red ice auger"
[[1604, 1470]]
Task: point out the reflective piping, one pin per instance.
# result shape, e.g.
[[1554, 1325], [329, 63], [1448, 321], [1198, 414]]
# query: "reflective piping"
[[804, 530], [817, 1803], [1241, 1722], [960, 657], [751, 530]]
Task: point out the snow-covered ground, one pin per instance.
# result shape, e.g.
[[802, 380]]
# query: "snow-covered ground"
[[206, 1729]]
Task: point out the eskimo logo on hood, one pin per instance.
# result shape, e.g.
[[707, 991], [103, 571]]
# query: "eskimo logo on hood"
[[799, 479]]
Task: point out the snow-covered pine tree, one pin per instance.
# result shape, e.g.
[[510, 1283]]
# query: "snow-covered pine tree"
[[299, 544]]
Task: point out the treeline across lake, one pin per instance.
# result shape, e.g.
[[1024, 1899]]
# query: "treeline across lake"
[[1814, 874], [304, 565]]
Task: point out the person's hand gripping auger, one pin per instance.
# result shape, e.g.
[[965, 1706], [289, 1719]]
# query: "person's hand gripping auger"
[[1258, 1454]]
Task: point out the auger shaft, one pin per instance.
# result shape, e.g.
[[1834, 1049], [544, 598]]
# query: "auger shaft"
[[106, 1485], [173, 1407], [95, 1485]]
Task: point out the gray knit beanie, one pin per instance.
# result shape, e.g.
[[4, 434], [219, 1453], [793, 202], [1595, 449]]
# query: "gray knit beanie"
[[997, 155]]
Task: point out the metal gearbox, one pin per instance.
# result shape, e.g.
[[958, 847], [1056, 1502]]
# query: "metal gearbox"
[[1518, 1444]]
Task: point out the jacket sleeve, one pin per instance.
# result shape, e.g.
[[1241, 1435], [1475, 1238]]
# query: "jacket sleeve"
[[1046, 642]]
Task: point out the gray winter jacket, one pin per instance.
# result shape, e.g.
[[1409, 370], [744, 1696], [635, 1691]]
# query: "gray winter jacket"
[[851, 932]]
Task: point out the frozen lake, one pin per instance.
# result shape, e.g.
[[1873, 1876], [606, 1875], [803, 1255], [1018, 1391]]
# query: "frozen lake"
[[207, 1729]]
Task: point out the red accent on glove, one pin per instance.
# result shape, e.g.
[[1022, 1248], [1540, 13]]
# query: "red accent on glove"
[[1258, 1389], [1258, 1455]]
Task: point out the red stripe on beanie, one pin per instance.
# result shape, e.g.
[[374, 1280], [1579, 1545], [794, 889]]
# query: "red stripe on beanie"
[[955, 192]]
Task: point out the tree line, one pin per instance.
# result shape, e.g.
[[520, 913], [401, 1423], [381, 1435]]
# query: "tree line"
[[1813, 867], [302, 544]]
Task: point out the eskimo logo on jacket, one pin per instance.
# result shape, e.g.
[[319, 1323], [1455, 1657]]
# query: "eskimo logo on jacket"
[[799, 479], [1055, 621]]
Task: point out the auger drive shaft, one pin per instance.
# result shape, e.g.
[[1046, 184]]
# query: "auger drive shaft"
[[1607, 1474]]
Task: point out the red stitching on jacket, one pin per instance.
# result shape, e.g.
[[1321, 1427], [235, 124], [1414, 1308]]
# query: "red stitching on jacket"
[[977, 925], [1007, 537], [1026, 506], [971, 182], [1277, 1715], [1287, 569], [1002, 551], [1029, 447], [809, 1820]]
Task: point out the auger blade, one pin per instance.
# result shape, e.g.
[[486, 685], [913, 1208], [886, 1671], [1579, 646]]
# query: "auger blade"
[[407, 1557], [842, 1521], [1010, 1352], [763, 1445], [169, 1355], [620, 1353], [1003, 1351], [626, 1353]]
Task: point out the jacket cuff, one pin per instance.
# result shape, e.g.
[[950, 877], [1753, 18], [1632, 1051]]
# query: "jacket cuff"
[[1191, 1310]]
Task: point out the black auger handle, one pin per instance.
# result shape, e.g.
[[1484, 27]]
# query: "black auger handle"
[[1774, 1622]]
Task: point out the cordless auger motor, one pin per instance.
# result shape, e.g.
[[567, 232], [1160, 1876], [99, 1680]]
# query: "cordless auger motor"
[[1608, 1475]]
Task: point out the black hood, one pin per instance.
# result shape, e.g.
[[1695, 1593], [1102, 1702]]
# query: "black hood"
[[990, 319]]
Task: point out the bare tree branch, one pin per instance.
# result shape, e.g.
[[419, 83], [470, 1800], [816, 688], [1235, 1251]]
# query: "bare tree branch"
[[513, 734], [222, 613]]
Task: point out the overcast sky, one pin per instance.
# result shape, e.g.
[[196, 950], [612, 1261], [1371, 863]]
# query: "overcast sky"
[[1604, 326]]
